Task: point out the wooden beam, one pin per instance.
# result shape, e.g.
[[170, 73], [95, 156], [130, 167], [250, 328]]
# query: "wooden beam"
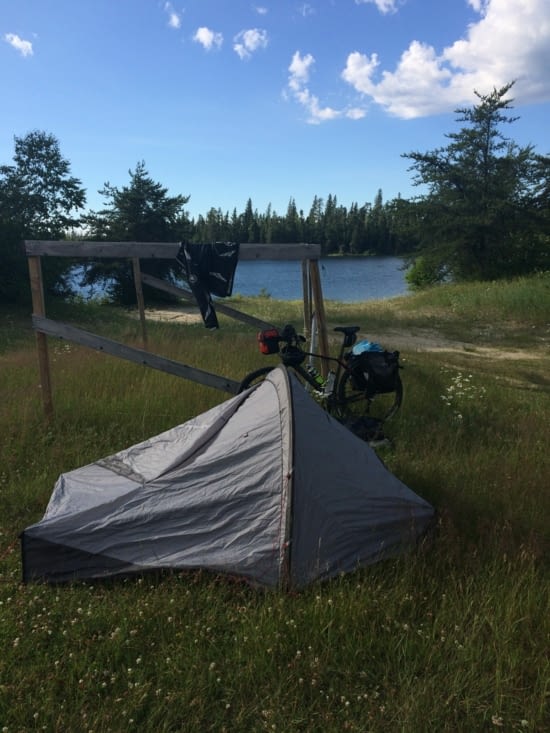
[[39, 308], [164, 250], [137, 356], [140, 300], [115, 250], [155, 282], [319, 307], [306, 290]]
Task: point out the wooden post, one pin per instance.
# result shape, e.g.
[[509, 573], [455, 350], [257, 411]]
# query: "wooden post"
[[39, 309], [320, 313], [140, 300], [35, 249], [306, 288]]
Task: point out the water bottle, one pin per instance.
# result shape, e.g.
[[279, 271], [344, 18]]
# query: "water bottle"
[[314, 374], [329, 384]]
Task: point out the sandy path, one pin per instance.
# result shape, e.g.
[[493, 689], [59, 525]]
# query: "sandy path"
[[417, 340]]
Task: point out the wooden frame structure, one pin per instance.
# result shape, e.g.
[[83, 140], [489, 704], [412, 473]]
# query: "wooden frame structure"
[[135, 251]]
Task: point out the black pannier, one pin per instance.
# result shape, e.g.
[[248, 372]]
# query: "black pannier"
[[375, 372]]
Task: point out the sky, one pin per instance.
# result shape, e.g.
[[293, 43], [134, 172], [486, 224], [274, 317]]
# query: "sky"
[[272, 100]]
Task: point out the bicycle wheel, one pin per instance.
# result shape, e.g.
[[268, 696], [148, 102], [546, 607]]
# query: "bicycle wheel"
[[354, 404], [254, 378]]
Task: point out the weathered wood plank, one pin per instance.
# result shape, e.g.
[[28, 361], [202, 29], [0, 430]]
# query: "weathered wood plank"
[[119, 250], [37, 291], [164, 250], [155, 282], [320, 314], [137, 356], [140, 300]]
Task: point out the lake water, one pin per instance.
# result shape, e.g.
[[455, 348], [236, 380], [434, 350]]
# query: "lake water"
[[346, 279]]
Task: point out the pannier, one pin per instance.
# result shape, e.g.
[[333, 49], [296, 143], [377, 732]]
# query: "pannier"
[[375, 372]]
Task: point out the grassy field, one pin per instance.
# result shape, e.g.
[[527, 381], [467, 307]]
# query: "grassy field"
[[454, 637]]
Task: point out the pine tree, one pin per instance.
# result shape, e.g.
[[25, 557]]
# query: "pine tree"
[[480, 207], [139, 212]]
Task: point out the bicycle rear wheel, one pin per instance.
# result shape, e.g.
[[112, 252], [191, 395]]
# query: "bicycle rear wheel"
[[354, 404], [254, 378]]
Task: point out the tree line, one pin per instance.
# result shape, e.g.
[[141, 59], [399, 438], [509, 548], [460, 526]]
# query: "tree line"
[[483, 214], [366, 229]]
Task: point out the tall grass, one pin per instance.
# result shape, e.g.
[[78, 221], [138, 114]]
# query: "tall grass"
[[514, 313], [453, 637]]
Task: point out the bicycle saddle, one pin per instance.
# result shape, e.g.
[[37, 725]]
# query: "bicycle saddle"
[[350, 334]]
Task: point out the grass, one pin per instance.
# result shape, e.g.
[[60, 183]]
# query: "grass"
[[451, 638], [512, 314]]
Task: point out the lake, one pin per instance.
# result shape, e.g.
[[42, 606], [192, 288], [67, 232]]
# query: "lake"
[[346, 279]]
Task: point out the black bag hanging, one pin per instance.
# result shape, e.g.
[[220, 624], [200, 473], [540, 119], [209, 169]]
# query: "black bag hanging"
[[209, 269]]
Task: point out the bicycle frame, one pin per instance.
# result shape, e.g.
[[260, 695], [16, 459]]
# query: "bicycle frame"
[[340, 394], [289, 356]]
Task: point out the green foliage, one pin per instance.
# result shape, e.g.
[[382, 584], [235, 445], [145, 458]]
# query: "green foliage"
[[450, 638], [39, 199], [381, 228], [37, 192], [14, 271], [486, 211], [424, 272], [140, 212]]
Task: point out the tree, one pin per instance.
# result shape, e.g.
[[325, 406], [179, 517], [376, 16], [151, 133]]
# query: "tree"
[[331, 234], [357, 228], [402, 221], [479, 219], [314, 221], [139, 212], [39, 199], [293, 223], [214, 228], [250, 228], [38, 192], [378, 236]]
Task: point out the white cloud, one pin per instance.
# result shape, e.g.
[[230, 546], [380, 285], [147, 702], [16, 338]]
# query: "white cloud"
[[355, 113], [384, 6], [478, 5], [306, 9], [298, 80], [247, 42], [511, 41], [24, 47], [261, 10], [208, 39], [174, 19], [299, 70]]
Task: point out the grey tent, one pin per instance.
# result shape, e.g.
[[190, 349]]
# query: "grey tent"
[[265, 486]]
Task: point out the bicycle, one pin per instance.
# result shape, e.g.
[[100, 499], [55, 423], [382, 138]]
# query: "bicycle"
[[363, 391]]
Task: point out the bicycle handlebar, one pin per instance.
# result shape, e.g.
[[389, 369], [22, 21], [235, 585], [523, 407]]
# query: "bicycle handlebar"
[[291, 336]]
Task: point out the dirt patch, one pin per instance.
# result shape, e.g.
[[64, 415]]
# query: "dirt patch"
[[419, 340], [427, 340], [171, 315]]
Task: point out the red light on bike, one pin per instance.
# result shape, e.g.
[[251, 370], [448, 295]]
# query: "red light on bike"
[[268, 341]]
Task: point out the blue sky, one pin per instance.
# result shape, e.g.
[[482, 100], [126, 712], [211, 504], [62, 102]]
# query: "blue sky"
[[268, 99]]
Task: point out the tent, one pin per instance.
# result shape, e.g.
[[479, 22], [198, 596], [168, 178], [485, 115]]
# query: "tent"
[[265, 486]]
